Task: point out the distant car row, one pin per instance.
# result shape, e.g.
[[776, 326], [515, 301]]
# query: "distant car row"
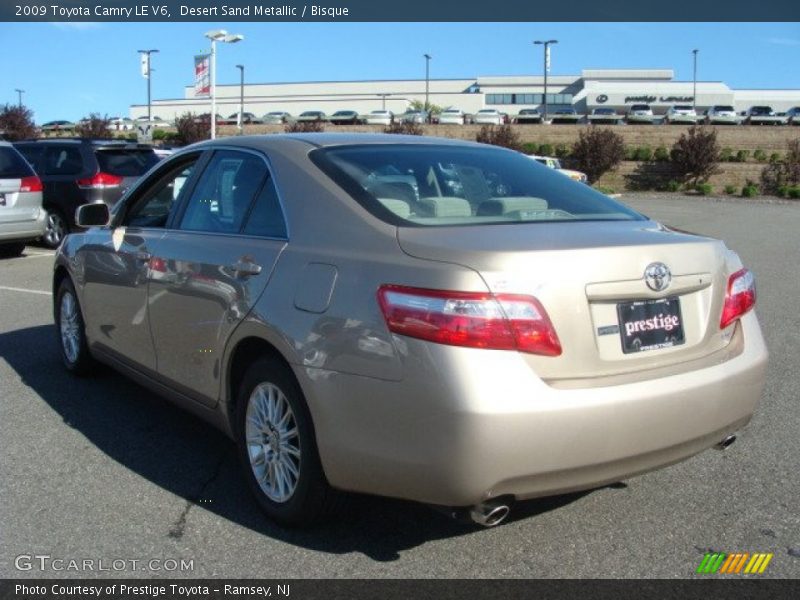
[[686, 114]]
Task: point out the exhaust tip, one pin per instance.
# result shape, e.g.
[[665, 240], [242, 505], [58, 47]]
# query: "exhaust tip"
[[489, 514], [726, 442]]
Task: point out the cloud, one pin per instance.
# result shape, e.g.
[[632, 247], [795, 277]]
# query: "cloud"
[[784, 41], [76, 25]]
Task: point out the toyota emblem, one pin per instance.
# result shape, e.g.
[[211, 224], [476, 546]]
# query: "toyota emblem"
[[657, 276]]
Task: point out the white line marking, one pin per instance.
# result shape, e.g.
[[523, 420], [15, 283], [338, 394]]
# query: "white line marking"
[[36, 255], [14, 289]]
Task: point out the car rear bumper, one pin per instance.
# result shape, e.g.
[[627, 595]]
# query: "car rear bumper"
[[23, 229], [467, 425]]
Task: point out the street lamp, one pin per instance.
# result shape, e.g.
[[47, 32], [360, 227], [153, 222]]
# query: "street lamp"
[[217, 35], [694, 80], [19, 95], [546, 44], [146, 74], [428, 58], [241, 98]]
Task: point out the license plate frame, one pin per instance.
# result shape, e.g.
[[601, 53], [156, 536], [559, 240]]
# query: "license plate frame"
[[652, 324]]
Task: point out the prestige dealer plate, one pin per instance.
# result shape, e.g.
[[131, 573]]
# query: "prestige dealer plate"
[[650, 324]]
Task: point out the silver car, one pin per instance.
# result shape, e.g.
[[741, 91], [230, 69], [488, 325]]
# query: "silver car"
[[421, 318], [22, 218]]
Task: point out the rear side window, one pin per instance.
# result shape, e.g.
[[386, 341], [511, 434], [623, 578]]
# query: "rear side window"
[[125, 162], [12, 165], [62, 160], [266, 217], [224, 192], [31, 152]]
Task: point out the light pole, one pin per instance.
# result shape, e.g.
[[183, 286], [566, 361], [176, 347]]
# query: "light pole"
[[241, 98], [383, 100], [19, 95], [146, 74], [428, 58], [217, 35], [694, 81], [546, 44]]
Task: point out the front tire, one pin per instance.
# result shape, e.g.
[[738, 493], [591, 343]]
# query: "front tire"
[[72, 330], [277, 446]]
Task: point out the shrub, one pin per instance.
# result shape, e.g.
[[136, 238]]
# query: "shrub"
[[695, 155], [159, 135], [630, 153], [597, 151], [749, 191], [546, 150], [742, 155], [794, 192], [306, 127], [782, 173], [661, 154], [530, 148], [191, 128], [704, 189], [730, 189], [94, 126], [726, 155], [16, 123], [499, 135], [644, 154], [604, 190], [759, 155], [672, 186], [775, 157], [403, 128], [562, 151]]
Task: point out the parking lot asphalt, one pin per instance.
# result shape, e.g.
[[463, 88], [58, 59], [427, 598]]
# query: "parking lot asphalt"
[[101, 469]]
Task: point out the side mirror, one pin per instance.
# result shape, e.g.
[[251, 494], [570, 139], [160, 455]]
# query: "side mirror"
[[92, 215]]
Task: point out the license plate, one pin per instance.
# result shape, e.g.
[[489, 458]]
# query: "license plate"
[[2, 199], [650, 324]]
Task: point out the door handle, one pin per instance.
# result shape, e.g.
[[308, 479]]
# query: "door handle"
[[242, 268]]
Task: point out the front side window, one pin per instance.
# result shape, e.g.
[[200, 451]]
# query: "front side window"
[[430, 185], [154, 204], [224, 192]]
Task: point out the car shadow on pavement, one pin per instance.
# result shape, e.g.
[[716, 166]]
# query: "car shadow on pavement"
[[187, 457]]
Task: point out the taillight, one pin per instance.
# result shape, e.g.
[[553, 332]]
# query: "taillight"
[[476, 320], [30, 184], [100, 181], [740, 297], [158, 264]]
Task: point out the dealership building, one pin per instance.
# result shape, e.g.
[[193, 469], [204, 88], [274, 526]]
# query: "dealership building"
[[593, 88]]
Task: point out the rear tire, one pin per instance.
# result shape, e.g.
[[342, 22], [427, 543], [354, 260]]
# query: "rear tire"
[[55, 230], [277, 446], [71, 330]]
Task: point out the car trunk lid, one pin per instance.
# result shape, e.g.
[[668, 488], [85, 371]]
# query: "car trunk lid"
[[590, 278]]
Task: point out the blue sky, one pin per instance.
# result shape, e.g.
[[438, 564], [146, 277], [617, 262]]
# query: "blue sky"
[[70, 70]]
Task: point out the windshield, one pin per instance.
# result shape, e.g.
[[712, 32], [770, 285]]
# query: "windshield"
[[430, 185]]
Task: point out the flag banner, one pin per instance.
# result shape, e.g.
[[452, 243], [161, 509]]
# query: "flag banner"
[[202, 75], [145, 64]]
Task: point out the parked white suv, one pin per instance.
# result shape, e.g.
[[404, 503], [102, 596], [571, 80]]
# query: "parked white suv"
[[681, 113], [721, 115], [452, 116], [640, 113], [488, 116]]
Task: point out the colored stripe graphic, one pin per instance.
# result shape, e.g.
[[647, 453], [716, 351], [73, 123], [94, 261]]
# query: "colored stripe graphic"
[[722, 563]]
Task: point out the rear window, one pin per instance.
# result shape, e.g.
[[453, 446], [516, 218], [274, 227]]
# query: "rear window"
[[640, 107], [429, 185], [683, 107], [723, 108], [126, 162], [12, 165]]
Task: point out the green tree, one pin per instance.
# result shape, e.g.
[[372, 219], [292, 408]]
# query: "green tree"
[[16, 123]]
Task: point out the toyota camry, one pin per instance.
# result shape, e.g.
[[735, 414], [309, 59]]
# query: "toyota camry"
[[420, 318]]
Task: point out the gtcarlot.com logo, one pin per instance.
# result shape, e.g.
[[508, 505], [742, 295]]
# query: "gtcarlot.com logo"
[[723, 563]]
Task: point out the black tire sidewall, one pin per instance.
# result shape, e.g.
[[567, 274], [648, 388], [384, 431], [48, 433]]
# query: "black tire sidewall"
[[83, 362], [306, 504]]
